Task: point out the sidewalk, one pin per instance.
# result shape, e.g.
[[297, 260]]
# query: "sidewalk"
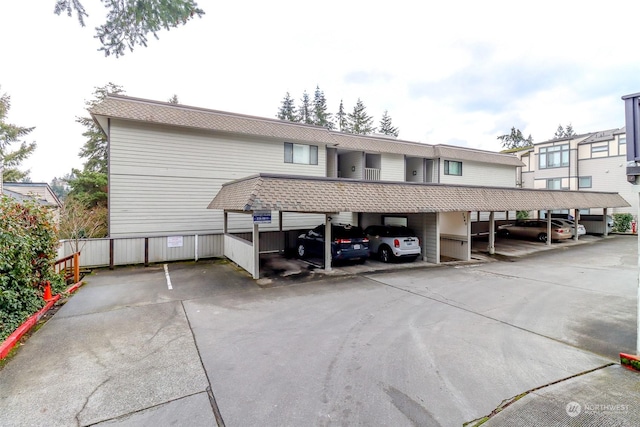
[[607, 396]]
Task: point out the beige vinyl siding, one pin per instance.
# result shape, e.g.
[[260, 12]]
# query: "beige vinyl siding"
[[392, 168], [163, 178], [527, 179], [486, 174], [332, 163], [610, 174], [552, 173]]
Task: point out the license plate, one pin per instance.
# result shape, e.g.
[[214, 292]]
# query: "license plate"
[[356, 246], [409, 243]]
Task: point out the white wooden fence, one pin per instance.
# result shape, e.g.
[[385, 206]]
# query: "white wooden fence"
[[148, 250]]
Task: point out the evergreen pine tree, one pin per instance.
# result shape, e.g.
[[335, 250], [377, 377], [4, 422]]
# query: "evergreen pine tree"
[[358, 121], [559, 132], [568, 130], [11, 159], [342, 118], [287, 109], [304, 110], [320, 116], [386, 127]]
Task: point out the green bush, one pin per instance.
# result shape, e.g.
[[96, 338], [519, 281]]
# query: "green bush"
[[522, 215], [28, 250], [622, 222]]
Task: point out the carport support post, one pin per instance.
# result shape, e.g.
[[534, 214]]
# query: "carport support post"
[[327, 242], [492, 233], [256, 251], [576, 213], [604, 219], [548, 227]]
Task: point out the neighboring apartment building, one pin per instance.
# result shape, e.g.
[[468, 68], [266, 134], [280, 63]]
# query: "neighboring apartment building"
[[167, 162], [589, 162], [39, 191]]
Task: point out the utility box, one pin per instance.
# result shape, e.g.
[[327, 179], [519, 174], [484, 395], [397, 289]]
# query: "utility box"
[[632, 123]]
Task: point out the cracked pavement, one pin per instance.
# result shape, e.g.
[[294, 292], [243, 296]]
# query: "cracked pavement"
[[424, 346]]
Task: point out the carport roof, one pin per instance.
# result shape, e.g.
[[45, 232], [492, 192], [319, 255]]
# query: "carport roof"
[[310, 194]]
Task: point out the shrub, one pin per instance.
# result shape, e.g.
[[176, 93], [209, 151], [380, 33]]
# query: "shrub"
[[622, 222], [522, 215], [28, 249]]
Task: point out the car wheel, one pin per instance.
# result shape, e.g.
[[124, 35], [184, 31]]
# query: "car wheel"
[[542, 237], [385, 254], [302, 252]]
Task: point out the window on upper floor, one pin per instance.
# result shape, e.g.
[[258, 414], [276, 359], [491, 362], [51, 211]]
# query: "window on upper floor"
[[556, 156], [300, 153], [602, 148], [554, 184], [452, 168], [584, 182]]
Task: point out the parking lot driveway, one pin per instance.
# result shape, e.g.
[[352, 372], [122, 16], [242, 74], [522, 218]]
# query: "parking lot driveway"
[[361, 353], [431, 346]]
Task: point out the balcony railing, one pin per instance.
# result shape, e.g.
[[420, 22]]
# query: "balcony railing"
[[372, 174]]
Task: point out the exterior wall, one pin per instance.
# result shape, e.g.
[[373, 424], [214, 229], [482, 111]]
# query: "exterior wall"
[[332, 163], [414, 164], [163, 178], [528, 179], [239, 251], [603, 160], [347, 161], [485, 174], [392, 167], [610, 174], [454, 223], [426, 226]]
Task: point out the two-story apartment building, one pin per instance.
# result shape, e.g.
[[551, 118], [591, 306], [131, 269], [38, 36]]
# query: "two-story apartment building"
[[587, 162], [167, 163]]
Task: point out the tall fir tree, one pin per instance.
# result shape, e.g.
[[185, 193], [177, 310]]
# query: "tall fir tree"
[[304, 110], [287, 110], [342, 118], [89, 185], [515, 139], [358, 121], [386, 127], [94, 149], [10, 134], [559, 132], [320, 116], [564, 132], [129, 22]]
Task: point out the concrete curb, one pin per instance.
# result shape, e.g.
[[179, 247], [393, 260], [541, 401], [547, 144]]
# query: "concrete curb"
[[7, 345]]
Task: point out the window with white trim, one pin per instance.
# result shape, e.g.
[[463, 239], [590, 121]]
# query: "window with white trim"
[[556, 156], [452, 168], [300, 153]]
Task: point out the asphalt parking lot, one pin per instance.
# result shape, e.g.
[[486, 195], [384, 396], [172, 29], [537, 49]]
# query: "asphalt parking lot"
[[424, 346]]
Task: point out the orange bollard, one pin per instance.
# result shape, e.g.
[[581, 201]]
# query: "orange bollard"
[[47, 292]]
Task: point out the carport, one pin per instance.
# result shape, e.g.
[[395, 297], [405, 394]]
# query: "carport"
[[439, 213]]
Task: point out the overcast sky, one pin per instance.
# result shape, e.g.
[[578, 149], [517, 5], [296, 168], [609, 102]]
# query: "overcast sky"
[[458, 72]]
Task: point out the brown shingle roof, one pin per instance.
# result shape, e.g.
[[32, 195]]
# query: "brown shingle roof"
[[129, 108], [306, 194]]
